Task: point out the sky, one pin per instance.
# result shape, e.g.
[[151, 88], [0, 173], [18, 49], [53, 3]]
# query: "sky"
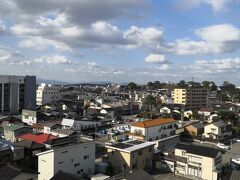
[[121, 40]]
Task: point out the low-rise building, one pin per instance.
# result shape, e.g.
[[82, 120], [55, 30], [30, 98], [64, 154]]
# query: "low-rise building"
[[194, 129], [29, 117], [130, 155], [68, 155], [12, 131], [195, 161], [216, 130], [150, 130]]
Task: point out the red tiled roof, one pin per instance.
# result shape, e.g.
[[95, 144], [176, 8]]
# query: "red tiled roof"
[[154, 122], [41, 138]]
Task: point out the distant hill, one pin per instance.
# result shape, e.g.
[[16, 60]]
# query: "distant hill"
[[51, 81]]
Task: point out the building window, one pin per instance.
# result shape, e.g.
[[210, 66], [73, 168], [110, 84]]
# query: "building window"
[[64, 151], [139, 153], [60, 162], [76, 164], [150, 149], [78, 172], [183, 153], [86, 157]]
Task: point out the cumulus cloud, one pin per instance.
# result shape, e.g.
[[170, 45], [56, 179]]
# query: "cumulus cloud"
[[156, 58], [8, 56], [214, 39], [216, 66], [53, 59], [217, 5]]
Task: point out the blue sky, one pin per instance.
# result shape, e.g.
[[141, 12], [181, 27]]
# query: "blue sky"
[[121, 40]]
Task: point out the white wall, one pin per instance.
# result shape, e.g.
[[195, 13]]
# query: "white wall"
[[47, 94], [69, 159]]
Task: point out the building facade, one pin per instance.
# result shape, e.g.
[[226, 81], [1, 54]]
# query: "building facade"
[[191, 98], [150, 130], [130, 155], [47, 93], [197, 161], [17, 93], [77, 159], [29, 117]]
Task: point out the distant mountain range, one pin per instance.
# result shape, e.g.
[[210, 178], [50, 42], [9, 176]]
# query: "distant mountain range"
[[39, 80]]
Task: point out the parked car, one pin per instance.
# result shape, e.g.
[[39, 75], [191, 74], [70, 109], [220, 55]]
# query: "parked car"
[[223, 146]]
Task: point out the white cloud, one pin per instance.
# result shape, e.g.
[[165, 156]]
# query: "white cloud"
[[53, 59], [219, 33], [214, 39], [7, 56], [217, 5], [156, 58]]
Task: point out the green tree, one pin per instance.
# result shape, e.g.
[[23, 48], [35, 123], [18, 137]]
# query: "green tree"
[[150, 101], [182, 84], [132, 86], [229, 116]]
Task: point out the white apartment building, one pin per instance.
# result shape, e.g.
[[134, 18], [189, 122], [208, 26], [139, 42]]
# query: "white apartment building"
[[29, 117], [150, 130], [47, 93], [79, 124], [77, 159], [195, 161]]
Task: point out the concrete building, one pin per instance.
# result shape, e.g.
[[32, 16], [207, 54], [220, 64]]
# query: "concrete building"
[[130, 155], [191, 98], [47, 93], [17, 93], [150, 130], [29, 117], [12, 131], [77, 158], [195, 161]]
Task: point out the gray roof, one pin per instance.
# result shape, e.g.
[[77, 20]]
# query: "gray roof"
[[219, 124], [198, 125], [198, 150], [235, 175], [8, 172], [139, 175]]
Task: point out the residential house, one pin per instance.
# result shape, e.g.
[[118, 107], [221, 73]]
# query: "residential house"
[[195, 161], [29, 117], [130, 155], [194, 129], [150, 130], [216, 130], [79, 124], [12, 131], [165, 110], [68, 155]]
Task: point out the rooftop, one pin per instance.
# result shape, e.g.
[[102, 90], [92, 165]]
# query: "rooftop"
[[38, 138], [131, 145], [198, 150], [154, 122], [14, 127]]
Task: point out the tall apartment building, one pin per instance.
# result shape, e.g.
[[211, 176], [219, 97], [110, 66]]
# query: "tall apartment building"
[[191, 98], [47, 93], [17, 93]]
